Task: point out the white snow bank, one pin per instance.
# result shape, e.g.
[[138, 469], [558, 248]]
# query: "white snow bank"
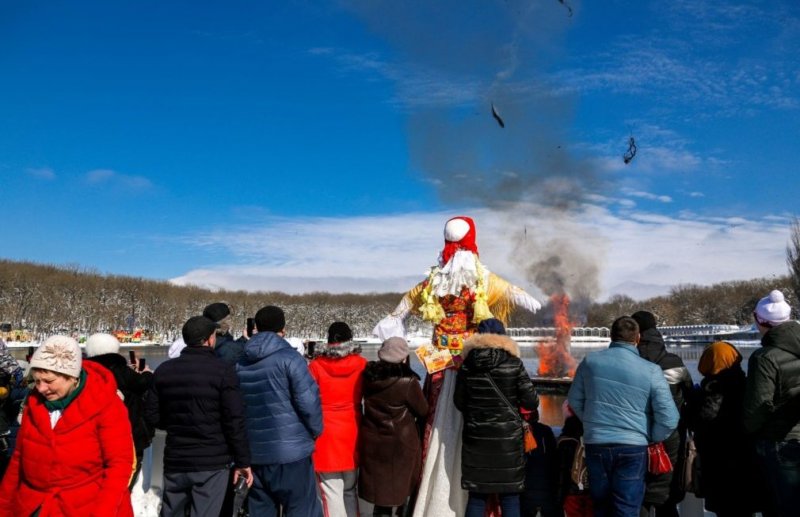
[[145, 504]]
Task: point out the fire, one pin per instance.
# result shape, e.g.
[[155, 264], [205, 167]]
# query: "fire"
[[555, 359]]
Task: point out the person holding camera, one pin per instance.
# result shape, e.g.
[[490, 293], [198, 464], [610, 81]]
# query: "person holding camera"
[[228, 349], [284, 418], [132, 383]]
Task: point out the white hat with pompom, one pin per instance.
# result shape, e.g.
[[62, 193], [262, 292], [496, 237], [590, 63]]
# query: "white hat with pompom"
[[773, 309]]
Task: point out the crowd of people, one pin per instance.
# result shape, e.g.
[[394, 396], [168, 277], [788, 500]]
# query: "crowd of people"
[[252, 423]]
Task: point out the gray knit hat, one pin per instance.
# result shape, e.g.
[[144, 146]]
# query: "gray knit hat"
[[393, 350], [60, 354]]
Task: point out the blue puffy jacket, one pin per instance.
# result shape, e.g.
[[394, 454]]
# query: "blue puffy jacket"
[[621, 398], [283, 411]]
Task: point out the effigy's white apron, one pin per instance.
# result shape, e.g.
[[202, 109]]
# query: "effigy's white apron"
[[440, 493]]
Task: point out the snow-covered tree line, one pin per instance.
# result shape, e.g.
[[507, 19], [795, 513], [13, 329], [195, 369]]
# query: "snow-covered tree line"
[[49, 299], [725, 303], [67, 299]]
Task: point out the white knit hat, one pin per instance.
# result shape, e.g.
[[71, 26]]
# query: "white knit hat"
[[60, 354], [773, 309], [101, 343]]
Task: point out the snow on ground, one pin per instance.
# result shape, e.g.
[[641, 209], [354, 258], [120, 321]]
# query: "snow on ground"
[[145, 504]]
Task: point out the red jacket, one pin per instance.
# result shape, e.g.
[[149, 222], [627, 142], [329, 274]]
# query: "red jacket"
[[339, 382], [83, 466]]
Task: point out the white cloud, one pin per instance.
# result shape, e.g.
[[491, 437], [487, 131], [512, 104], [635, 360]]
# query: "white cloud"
[[43, 173], [647, 195], [110, 177], [638, 253]]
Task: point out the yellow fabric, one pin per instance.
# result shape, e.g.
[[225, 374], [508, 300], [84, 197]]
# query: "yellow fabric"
[[717, 357], [498, 299], [499, 302], [415, 296], [480, 308]]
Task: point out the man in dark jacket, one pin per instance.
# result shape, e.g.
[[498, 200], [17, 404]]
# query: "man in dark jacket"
[[284, 417], [772, 402], [228, 349], [663, 491], [196, 399], [103, 349]]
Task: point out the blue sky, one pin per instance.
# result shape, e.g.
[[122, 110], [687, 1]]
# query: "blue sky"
[[321, 145]]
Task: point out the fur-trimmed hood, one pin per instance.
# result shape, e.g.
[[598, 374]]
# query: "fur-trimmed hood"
[[490, 341], [337, 350]]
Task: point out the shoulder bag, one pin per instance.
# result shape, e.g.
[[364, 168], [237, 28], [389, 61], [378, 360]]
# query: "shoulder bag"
[[527, 433]]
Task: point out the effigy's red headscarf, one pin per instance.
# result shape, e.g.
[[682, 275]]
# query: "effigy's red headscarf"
[[458, 236]]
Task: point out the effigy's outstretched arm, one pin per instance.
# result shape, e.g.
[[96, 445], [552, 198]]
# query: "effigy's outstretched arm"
[[522, 299], [504, 297], [394, 324]]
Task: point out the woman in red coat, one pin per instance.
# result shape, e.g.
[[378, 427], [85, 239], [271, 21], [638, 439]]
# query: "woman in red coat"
[[337, 368], [74, 454]]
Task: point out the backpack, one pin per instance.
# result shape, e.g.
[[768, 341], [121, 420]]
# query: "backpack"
[[579, 472]]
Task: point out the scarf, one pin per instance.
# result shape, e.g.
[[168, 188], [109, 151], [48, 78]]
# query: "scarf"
[[61, 404]]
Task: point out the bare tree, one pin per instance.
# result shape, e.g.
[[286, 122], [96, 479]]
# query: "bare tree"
[[793, 257]]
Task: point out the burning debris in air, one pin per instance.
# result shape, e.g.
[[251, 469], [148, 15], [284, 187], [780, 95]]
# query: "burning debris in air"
[[497, 116], [555, 359], [565, 4], [631, 152]]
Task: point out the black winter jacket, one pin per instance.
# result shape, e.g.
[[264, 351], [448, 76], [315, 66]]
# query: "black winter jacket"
[[133, 387], [772, 396], [726, 456], [492, 452], [196, 399], [541, 470], [661, 488]]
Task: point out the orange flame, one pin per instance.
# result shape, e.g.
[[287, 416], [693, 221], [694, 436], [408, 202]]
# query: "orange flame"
[[555, 359]]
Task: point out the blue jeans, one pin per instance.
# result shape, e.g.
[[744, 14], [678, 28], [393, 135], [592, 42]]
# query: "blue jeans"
[[476, 505], [780, 465], [616, 478]]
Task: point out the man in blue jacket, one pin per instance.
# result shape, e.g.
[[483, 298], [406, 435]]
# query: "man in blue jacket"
[[624, 403], [284, 417]]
